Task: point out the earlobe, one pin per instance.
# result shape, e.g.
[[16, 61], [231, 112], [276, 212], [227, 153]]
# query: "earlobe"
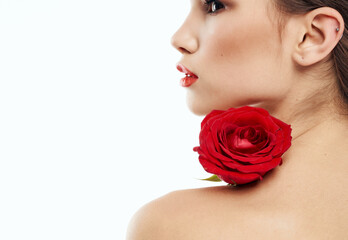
[[323, 28]]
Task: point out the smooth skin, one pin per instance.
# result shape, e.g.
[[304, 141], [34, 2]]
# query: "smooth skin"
[[242, 57]]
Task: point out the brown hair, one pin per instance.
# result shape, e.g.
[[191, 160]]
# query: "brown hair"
[[339, 54]]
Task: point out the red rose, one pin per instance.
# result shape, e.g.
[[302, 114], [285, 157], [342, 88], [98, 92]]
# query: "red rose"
[[241, 145]]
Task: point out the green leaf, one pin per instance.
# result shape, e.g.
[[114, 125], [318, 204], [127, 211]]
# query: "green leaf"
[[233, 185], [213, 178]]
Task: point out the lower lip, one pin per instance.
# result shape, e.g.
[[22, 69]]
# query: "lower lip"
[[188, 81]]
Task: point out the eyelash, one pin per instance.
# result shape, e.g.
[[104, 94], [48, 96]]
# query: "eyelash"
[[212, 6]]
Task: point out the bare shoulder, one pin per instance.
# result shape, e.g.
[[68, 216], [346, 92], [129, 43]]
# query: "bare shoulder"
[[209, 213], [173, 216], [242, 213], [202, 213]]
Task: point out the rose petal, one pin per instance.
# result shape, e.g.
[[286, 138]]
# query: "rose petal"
[[246, 158], [210, 158], [261, 168], [229, 176], [211, 115]]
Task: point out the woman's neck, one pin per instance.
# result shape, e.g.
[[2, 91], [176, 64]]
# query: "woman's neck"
[[313, 123]]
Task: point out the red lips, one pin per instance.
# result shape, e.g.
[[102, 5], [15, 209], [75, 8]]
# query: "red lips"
[[190, 77]]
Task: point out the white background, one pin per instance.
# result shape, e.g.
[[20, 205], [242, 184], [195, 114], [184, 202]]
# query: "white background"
[[93, 122]]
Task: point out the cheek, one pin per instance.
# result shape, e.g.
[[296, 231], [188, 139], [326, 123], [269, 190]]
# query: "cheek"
[[247, 54], [230, 49], [220, 40]]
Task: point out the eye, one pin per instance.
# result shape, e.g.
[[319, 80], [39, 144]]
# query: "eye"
[[212, 6]]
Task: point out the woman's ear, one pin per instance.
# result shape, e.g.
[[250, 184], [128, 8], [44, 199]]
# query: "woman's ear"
[[322, 30]]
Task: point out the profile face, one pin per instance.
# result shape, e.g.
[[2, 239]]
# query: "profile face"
[[233, 47]]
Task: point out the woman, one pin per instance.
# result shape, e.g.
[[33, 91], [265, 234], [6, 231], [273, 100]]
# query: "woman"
[[288, 57]]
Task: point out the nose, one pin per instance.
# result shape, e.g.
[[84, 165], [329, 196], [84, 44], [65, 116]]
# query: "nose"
[[185, 39]]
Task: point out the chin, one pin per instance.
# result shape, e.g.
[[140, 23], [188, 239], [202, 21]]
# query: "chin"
[[198, 109], [203, 105], [201, 109]]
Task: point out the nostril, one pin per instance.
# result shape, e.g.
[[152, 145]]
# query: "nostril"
[[183, 50]]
